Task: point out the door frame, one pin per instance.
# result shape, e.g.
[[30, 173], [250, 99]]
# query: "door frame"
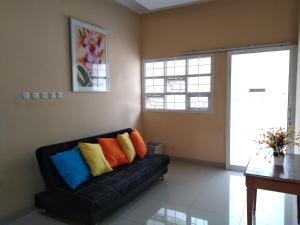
[[291, 97]]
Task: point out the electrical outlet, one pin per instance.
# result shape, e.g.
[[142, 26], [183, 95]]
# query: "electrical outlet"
[[44, 95], [25, 95], [52, 95], [59, 94], [35, 95]]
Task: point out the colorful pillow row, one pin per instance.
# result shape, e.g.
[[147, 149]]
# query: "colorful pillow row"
[[123, 150], [77, 165]]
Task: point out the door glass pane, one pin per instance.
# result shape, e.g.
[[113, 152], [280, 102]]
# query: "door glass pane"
[[259, 99]]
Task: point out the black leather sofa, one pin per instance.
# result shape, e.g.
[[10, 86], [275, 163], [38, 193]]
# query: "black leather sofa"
[[100, 195]]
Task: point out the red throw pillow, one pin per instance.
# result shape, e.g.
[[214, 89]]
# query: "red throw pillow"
[[112, 151], [138, 143]]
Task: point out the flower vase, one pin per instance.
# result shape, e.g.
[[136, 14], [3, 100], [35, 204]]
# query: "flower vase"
[[279, 161]]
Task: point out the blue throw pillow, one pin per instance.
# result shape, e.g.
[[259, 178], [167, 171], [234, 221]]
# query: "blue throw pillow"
[[72, 167]]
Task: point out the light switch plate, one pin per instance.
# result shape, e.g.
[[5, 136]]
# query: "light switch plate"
[[25, 95], [35, 95], [52, 95], [59, 94], [44, 95]]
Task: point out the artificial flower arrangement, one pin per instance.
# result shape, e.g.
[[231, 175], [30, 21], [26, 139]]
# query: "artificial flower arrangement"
[[278, 139]]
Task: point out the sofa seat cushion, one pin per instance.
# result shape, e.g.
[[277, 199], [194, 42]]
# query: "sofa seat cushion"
[[104, 189]]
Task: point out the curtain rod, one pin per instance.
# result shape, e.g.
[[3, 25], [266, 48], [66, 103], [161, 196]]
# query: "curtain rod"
[[237, 48]]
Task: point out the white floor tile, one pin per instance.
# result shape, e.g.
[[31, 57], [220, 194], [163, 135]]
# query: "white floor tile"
[[273, 208], [35, 218], [193, 195]]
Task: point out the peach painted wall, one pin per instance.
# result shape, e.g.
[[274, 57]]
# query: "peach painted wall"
[[297, 108], [35, 55], [215, 24]]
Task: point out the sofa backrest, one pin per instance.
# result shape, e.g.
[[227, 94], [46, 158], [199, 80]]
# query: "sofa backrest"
[[50, 175]]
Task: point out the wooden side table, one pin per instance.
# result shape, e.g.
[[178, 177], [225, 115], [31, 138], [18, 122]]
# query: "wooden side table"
[[260, 174]]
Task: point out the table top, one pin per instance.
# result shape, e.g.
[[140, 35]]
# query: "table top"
[[258, 166]]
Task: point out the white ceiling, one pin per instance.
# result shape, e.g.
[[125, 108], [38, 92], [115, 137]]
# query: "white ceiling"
[[145, 6], [159, 4]]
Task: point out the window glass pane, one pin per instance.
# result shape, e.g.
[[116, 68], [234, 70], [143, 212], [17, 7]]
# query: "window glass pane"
[[158, 72], [193, 70], [154, 85], [205, 65], [170, 71], [149, 65], [154, 69], [199, 84], [205, 61], [148, 69], [198, 102], [203, 69], [194, 62], [176, 67], [155, 102], [170, 63], [175, 102], [180, 70], [180, 63], [199, 65], [175, 85], [158, 65], [166, 85], [149, 72]]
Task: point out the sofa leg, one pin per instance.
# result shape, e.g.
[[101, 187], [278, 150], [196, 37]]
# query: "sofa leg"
[[162, 178], [43, 211]]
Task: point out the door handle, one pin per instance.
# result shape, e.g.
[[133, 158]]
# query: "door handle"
[[257, 90]]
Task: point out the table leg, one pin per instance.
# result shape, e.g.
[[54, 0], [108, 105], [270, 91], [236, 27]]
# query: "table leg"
[[298, 208], [254, 200], [250, 201]]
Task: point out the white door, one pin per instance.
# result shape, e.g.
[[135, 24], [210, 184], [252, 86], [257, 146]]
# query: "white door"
[[261, 96]]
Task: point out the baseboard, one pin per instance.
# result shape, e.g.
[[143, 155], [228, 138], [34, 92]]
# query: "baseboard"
[[201, 162], [16, 215]]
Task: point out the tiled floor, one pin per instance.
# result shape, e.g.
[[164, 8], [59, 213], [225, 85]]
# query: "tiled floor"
[[193, 195]]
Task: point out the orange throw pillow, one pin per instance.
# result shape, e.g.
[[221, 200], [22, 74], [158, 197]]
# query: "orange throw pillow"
[[138, 143], [112, 152]]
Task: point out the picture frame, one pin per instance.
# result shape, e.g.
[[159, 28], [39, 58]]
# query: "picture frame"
[[89, 57]]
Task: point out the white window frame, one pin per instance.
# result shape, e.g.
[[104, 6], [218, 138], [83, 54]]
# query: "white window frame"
[[186, 93]]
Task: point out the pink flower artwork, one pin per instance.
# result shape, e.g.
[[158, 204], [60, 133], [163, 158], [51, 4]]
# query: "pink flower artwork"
[[90, 56]]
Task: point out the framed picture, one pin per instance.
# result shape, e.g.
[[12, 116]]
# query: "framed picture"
[[89, 57]]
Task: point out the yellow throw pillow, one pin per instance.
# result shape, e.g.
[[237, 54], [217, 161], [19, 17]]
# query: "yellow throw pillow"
[[94, 157], [127, 146]]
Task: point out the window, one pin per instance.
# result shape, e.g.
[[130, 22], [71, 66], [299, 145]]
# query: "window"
[[178, 84]]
